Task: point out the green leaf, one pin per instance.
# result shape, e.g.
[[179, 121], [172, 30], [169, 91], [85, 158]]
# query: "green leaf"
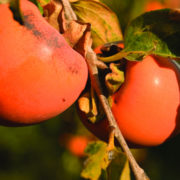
[[156, 32], [126, 10], [98, 160], [119, 167], [104, 22], [114, 79], [125, 175]]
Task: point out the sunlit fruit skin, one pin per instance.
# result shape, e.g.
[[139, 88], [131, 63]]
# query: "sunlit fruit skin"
[[154, 5], [40, 74], [147, 105]]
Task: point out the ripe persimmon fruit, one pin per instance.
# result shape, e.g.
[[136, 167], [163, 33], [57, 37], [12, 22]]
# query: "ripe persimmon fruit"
[[147, 105], [40, 74], [77, 145]]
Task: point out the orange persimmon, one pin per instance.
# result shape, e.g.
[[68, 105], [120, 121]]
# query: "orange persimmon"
[[40, 74]]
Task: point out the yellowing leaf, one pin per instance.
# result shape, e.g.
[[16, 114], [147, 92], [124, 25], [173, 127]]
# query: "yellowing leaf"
[[44, 2], [119, 167], [104, 23], [125, 175], [114, 79], [97, 161], [155, 32]]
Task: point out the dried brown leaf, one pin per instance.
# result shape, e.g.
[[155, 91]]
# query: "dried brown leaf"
[[74, 32], [84, 42], [89, 104], [52, 12], [114, 79], [84, 103], [77, 34]]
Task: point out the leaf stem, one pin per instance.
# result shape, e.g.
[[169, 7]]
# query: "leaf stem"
[[69, 13], [91, 60], [138, 171]]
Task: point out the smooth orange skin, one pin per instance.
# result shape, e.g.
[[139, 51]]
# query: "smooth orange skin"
[[154, 5], [40, 74], [147, 106]]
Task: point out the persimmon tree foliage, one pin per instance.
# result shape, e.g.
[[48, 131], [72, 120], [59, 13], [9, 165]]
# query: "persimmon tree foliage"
[[125, 83]]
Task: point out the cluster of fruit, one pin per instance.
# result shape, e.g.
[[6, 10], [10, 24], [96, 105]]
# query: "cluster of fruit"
[[41, 76], [147, 105]]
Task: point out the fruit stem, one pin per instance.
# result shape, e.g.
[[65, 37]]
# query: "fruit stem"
[[91, 60], [138, 171], [69, 13]]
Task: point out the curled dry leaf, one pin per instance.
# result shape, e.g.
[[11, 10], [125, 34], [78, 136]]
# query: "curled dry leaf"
[[84, 42], [84, 102], [89, 104], [104, 23], [112, 76], [74, 31], [77, 34], [114, 79], [52, 12]]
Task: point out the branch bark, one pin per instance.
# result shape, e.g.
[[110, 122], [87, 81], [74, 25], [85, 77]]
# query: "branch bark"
[[91, 60]]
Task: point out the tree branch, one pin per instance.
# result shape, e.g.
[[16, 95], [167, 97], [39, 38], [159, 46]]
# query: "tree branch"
[[91, 60]]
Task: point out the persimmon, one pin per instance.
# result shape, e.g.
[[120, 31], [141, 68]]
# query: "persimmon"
[[40, 74], [77, 145], [147, 105], [154, 5]]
